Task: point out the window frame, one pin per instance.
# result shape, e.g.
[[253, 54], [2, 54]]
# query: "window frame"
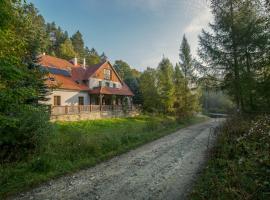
[[107, 74], [81, 100], [57, 100]]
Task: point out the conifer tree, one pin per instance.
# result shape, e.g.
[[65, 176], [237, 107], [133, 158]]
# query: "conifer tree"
[[236, 49], [186, 59], [165, 85], [78, 44]]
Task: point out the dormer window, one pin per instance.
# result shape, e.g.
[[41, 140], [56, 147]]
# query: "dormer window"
[[51, 79], [107, 74]]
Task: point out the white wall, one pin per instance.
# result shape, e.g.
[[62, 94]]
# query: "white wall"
[[94, 82], [69, 97]]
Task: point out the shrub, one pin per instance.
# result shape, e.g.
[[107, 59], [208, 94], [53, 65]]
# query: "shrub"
[[239, 167], [21, 134]]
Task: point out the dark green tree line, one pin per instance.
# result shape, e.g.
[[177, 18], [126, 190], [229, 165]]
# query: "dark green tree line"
[[236, 51]]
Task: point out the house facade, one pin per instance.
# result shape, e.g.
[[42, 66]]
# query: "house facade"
[[79, 87]]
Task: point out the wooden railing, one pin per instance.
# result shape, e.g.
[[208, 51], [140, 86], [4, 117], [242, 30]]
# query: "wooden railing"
[[69, 110]]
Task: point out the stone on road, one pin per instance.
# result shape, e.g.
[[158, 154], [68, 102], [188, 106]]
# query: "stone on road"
[[163, 169]]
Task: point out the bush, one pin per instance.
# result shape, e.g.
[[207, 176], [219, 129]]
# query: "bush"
[[240, 164], [22, 131]]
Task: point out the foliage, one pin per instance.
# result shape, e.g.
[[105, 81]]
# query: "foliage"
[[216, 102], [78, 43], [92, 56], [66, 50], [75, 145], [21, 83], [165, 85], [239, 168], [131, 78], [186, 62], [148, 87], [186, 101], [236, 51]]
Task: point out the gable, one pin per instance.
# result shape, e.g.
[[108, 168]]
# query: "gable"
[[99, 74]]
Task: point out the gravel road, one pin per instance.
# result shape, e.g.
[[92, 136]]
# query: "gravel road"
[[163, 169]]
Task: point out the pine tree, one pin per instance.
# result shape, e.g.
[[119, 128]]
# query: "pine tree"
[[186, 59], [237, 48], [103, 57], [78, 44], [165, 85]]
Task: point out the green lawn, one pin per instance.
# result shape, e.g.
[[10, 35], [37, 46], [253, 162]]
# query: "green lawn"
[[76, 145]]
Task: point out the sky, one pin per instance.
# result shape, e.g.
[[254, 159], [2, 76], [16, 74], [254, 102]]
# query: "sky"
[[139, 32]]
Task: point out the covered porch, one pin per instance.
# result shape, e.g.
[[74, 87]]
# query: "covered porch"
[[100, 100]]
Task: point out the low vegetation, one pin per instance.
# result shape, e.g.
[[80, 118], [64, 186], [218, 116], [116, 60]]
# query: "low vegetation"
[[75, 145], [240, 163]]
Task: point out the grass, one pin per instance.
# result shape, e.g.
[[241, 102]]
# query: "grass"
[[76, 145], [239, 167]]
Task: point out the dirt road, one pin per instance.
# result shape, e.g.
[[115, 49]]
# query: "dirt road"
[[163, 169]]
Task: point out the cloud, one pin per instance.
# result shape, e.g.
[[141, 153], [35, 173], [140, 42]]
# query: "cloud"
[[194, 28], [199, 22], [152, 5]]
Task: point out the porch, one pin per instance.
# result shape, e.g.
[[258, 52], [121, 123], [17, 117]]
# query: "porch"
[[88, 109]]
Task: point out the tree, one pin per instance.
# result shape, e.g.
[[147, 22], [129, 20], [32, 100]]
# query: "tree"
[[103, 57], [186, 101], [91, 56], [123, 69], [165, 85], [78, 44], [22, 119], [66, 50], [149, 90], [131, 78], [186, 59], [57, 37], [237, 48]]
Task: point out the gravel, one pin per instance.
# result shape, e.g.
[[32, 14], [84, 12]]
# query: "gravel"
[[163, 169]]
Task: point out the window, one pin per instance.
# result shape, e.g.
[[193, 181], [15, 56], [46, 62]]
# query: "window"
[[81, 101], [107, 84], [107, 74], [57, 100], [114, 85], [100, 83]]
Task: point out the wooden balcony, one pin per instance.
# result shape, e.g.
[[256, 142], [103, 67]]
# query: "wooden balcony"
[[72, 110]]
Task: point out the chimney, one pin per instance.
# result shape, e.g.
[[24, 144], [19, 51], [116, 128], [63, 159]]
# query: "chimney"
[[75, 61], [84, 63]]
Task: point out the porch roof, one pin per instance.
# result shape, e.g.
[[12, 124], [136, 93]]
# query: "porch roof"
[[124, 91]]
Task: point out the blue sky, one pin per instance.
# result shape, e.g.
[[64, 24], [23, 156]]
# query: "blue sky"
[[139, 32]]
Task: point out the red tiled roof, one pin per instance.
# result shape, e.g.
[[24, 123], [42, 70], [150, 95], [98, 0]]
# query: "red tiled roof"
[[116, 91], [64, 82], [50, 61], [78, 73]]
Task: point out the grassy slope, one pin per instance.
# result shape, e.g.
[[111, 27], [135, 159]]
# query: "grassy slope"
[[76, 145], [240, 164]]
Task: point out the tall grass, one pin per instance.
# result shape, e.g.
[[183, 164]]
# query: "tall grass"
[[240, 164], [76, 145]]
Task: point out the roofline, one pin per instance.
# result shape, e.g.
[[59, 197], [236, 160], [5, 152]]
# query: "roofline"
[[111, 67]]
